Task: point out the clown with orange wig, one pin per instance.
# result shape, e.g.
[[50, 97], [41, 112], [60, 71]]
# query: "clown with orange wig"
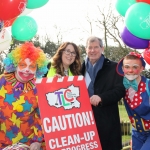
[[19, 112]]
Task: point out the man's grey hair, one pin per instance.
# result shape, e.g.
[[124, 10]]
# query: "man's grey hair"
[[93, 39]]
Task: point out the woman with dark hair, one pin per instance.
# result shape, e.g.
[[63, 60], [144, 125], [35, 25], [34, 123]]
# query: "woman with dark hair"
[[66, 61]]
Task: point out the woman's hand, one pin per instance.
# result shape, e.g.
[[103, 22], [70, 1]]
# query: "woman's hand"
[[57, 75]]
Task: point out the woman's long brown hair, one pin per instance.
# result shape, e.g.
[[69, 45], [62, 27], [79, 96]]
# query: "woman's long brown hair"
[[75, 67]]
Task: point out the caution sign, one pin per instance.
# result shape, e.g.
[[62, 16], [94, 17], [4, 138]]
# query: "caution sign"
[[66, 114]]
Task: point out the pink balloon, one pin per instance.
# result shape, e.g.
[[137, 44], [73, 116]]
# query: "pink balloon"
[[146, 55], [8, 23], [5, 39], [145, 1]]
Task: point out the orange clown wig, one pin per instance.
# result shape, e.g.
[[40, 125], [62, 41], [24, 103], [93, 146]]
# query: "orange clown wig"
[[26, 50]]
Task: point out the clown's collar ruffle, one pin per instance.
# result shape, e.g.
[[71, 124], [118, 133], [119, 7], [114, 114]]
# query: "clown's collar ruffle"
[[10, 77]]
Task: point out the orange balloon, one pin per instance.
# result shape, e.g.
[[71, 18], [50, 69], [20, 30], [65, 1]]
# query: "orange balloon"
[[146, 55]]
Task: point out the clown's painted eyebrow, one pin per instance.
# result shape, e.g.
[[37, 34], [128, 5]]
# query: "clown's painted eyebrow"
[[131, 65]]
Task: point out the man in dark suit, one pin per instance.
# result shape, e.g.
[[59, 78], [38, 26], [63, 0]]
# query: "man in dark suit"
[[105, 88]]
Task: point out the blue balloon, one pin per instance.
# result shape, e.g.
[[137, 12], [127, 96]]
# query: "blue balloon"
[[32, 4], [24, 28], [132, 41], [137, 20], [123, 5]]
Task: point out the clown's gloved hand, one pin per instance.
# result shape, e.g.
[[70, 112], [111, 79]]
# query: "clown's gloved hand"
[[35, 146]]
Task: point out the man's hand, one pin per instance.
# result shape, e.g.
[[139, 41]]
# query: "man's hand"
[[95, 100], [35, 146]]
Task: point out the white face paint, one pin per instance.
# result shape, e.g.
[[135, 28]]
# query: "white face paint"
[[25, 70], [132, 68], [131, 77]]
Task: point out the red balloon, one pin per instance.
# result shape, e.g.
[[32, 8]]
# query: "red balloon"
[[145, 1], [8, 23], [146, 55], [11, 8]]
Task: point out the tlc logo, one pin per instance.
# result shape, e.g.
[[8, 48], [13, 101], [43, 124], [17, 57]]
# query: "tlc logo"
[[65, 98]]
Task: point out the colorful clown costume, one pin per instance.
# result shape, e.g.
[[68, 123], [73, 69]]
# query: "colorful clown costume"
[[137, 104], [19, 112]]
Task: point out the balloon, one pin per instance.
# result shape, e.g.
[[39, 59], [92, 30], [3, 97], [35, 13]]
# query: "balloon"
[[137, 20], [146, 55], [133, 41], [24, 28], [145, 1], [26, 11], [8, 23], [11, 8], [36, 3], [1, 25], [5, 39], [123, 5]]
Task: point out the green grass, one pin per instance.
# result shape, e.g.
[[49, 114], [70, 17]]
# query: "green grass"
[[124, 118], [123, 113], [126, 138]]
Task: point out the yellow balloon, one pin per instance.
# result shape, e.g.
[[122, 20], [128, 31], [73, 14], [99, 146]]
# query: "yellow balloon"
[[19, 108]]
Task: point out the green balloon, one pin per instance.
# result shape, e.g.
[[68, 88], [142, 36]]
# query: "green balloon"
[[31, 4], [24, 28], [137, 20], [123, 5]]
